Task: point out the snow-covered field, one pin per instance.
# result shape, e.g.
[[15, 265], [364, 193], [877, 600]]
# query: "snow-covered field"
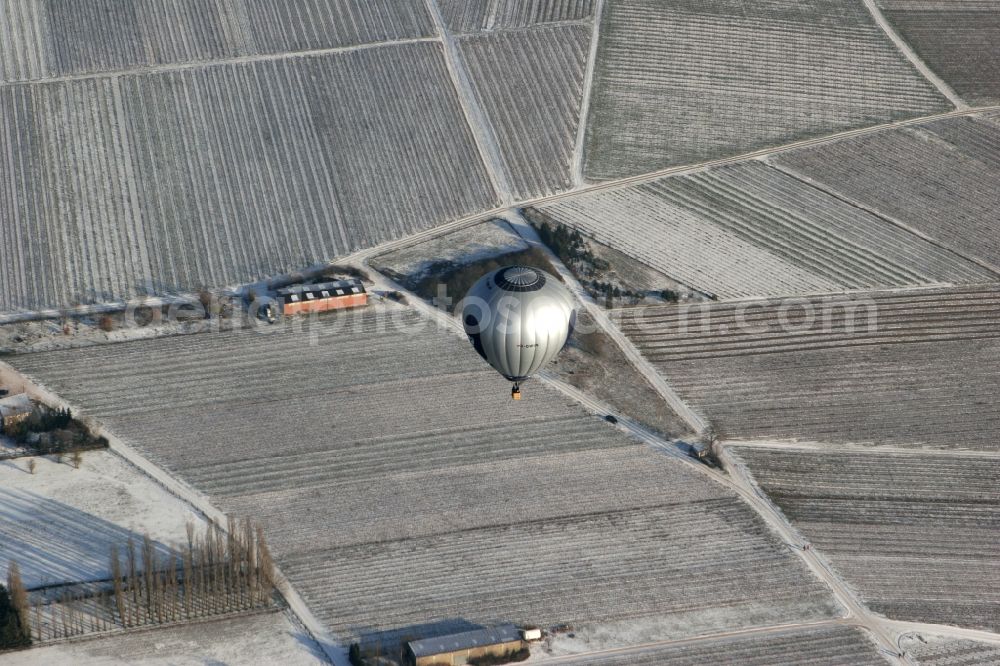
[[227, 173], [530, 83], [471, 16], [915, 533], [917, 369], [937, 178], [403, 491], [816, 646], [257, 640], [688, 81], [751, 230], [941, 651], [957, 39], [59, 522]]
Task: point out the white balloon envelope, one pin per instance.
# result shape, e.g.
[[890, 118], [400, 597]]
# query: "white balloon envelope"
[[518, 319]]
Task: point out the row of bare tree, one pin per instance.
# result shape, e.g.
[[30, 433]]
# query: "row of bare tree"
[[220, 571]]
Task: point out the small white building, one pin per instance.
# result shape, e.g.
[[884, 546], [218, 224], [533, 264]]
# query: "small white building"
[[14, 409]]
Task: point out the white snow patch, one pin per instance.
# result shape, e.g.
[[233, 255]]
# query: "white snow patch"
[[59, 523], [271, 638]]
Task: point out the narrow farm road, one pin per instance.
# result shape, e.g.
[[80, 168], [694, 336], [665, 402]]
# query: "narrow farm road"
[[785, 445], [233, 60], [588, 86], [912, 56], [482, 129]]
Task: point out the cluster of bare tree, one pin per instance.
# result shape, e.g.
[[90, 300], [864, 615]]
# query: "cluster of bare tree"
[[220, 571]]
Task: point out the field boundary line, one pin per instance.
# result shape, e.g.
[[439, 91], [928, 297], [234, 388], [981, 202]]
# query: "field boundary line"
[[324, 639], [912, 56], [482, 130], [861, 449], [588, 86], [205, 64], [825, 189]]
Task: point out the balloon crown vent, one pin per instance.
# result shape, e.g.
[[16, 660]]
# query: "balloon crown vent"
[[520, 278]]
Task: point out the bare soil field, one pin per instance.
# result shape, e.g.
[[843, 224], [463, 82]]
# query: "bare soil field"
[[403, 492], [684, 82], [914, 369], [481, 241], [593, 363], [916, 534]]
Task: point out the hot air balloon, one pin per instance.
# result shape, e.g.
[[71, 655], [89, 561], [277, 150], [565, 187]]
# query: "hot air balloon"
[[518, 319]]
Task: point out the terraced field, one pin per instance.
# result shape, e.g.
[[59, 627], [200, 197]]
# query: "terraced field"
[[822, 646], [751, 230], [939, 179], [916, 534], [529, 84], [940, 652], [958, 39], [684, 82], [226, 174], [42, 39], [387, 462], [469, 16], [917, 368]]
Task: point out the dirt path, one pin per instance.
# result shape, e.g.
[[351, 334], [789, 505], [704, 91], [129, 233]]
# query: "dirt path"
[[912, 56], [588, 85], [482, 129]]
